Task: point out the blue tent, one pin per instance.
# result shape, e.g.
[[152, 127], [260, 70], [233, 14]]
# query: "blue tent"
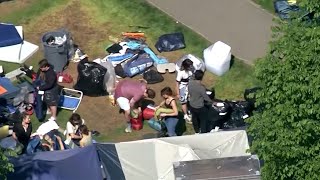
[[77, 164]]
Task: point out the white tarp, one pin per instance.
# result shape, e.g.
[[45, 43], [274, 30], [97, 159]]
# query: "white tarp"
[[154, 158], [18, 53]]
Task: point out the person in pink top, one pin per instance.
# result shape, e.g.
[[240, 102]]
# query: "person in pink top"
[[128, 93]]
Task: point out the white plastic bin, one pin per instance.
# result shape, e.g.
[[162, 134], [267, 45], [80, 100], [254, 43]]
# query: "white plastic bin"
[[217, 58]]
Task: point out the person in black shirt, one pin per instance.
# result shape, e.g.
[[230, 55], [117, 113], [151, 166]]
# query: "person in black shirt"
[[22, 131], [50, 87]]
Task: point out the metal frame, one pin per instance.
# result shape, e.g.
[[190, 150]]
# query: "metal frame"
[[74, 91]]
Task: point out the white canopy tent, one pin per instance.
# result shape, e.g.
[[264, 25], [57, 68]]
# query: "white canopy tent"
[[154, 158], [18, 53]]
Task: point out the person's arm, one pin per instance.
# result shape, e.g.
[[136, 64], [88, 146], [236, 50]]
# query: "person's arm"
[[14, 136], [161, 104], [50, 82], [178, 80], [174, 108], [81, 144], [71, 133], [205, 95], [60, 142]]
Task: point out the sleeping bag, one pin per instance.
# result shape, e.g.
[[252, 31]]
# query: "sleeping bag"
[[170, 42], [91, 78], [138, 65]]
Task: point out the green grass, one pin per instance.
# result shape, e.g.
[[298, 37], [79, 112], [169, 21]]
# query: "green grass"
[[266, 4], [119, 15]]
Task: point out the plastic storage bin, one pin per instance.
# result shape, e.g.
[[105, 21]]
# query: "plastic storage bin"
[[217, 58]]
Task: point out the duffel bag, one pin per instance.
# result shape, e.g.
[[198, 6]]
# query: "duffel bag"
[[138, 65], [157, 125]]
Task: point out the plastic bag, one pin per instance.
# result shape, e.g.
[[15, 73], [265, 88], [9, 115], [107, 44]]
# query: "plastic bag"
[[91, 78], [240, 111], [170, 42]]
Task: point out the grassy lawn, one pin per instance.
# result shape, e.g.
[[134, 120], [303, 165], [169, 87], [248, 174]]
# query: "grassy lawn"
[[266, 4], [119, 15]]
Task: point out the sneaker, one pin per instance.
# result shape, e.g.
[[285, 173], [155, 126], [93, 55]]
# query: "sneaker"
[[51, 119], [128, 129]]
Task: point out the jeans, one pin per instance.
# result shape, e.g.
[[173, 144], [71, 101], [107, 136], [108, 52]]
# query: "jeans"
[[171, 123], [33, 145], [200, 119]]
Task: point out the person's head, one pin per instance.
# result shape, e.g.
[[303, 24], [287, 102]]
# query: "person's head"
[[75, 119], [44, 65], [186, 65], [149, 93], [84, 129], [26, 118], [198, 75], [166, 92]]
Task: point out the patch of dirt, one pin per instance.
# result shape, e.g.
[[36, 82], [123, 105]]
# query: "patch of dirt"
[[9, 6], [97, 111]]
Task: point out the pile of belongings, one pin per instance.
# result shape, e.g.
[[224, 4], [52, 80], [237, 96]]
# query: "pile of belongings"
[[232, 114], [14, 100], [131, 57]]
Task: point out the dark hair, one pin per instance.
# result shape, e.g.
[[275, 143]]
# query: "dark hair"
[[186, 65], [151, 94], [24, 115], [198, 75], [84, 129], [75, 119], [166, 91], [43, 63]]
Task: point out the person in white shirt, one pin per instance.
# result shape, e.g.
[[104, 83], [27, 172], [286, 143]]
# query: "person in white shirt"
[[71, 133], [183, 77]]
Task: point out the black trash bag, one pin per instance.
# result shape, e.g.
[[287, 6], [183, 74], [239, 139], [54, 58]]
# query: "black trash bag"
[[240, 110], [218, 113], [170, 42], [152, 77], [90, 78]]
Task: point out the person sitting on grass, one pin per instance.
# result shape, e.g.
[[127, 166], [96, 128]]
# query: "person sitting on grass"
[[128, 93], [171, 117], [52, 141], [86, 136], [22, 131], [72, 134]]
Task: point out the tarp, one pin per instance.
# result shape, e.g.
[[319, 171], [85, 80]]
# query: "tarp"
[[154, 158], [81, 163], [17, 53]]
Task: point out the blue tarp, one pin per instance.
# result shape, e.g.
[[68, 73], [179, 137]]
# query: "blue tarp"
[[9, 35], [81, 163]]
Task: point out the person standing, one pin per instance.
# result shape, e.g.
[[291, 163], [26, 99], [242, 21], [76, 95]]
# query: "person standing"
[[198, 98], [170, 119], [22, 131], [128, 93], [50, 87], [183, 77]]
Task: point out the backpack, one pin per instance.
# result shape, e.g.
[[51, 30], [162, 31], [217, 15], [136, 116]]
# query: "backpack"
[[138, 65], [152, 77]]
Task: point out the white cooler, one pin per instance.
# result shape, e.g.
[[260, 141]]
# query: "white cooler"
[[217, 58]]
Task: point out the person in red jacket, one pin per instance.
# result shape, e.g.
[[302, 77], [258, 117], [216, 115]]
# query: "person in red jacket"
[[128, 93], [50, 87]]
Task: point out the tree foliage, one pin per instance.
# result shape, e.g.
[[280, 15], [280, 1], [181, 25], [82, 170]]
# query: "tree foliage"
[[5, 166], [287, 133]]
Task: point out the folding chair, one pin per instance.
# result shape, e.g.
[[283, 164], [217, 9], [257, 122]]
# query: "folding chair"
[[70, 99]]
